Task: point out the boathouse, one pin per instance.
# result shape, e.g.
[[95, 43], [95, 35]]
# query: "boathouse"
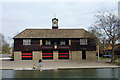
[[54, 44]]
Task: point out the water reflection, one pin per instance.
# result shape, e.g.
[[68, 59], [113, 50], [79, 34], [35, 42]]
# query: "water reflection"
[[107, 73], [75, 73]]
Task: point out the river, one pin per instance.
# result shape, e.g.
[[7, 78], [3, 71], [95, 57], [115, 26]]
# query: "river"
[[71, 73]]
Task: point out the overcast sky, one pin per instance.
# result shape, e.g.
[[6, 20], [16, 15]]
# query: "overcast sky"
[[17, 16]]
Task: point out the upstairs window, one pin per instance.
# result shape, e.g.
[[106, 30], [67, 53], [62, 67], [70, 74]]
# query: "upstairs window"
[[47, 42], [62, 42], [83, 41], [55, 43], [26, 41]]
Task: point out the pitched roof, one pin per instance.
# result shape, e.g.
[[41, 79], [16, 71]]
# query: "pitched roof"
[[53, 33], [117, 47]]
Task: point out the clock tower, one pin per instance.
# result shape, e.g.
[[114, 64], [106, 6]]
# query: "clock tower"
[[54, 23]]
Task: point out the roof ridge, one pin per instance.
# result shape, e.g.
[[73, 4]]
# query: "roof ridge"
[[56, 29]]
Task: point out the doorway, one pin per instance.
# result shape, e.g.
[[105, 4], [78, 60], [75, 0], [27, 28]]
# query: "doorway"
[[83, 54], [47, 55], [63, 54]]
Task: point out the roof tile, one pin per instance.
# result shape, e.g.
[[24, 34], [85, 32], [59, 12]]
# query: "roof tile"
[[53, 33]]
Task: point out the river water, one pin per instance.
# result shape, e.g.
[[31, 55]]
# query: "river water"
[[73, 73]]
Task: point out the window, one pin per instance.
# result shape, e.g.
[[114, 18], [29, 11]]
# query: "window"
[[83, 41], [47, 42], [26, 41], [62, 42]]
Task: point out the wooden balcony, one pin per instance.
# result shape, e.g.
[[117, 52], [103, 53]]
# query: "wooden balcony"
[[52, 47], [27, 48]]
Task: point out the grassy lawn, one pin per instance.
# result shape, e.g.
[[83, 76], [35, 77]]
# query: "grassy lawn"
[[101, 58], [117, 63]]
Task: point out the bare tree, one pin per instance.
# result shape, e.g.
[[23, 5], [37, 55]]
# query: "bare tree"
[[2, 41], [4, 46], [106, 25], [100, 40], [94, 32]]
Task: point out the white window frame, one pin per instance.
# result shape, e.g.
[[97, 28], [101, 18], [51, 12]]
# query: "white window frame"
[[47, 42], [26, 41], [83, 41], [62, 42]]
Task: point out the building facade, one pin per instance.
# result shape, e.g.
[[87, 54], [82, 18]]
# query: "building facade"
[[54, 44]]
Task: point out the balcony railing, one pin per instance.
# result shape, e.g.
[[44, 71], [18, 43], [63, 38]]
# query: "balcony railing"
[[63, 47], [43, 47], [46, 47], [27, 48]]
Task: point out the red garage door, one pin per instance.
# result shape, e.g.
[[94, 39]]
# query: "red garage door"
[[63, 54], [46, 55], [26, 55]]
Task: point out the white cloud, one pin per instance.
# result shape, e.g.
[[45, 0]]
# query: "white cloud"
[[22, 15], [60, 0]]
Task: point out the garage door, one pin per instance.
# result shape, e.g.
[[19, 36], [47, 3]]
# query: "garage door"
[[26, 55], [46, 55], [64, 54]]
